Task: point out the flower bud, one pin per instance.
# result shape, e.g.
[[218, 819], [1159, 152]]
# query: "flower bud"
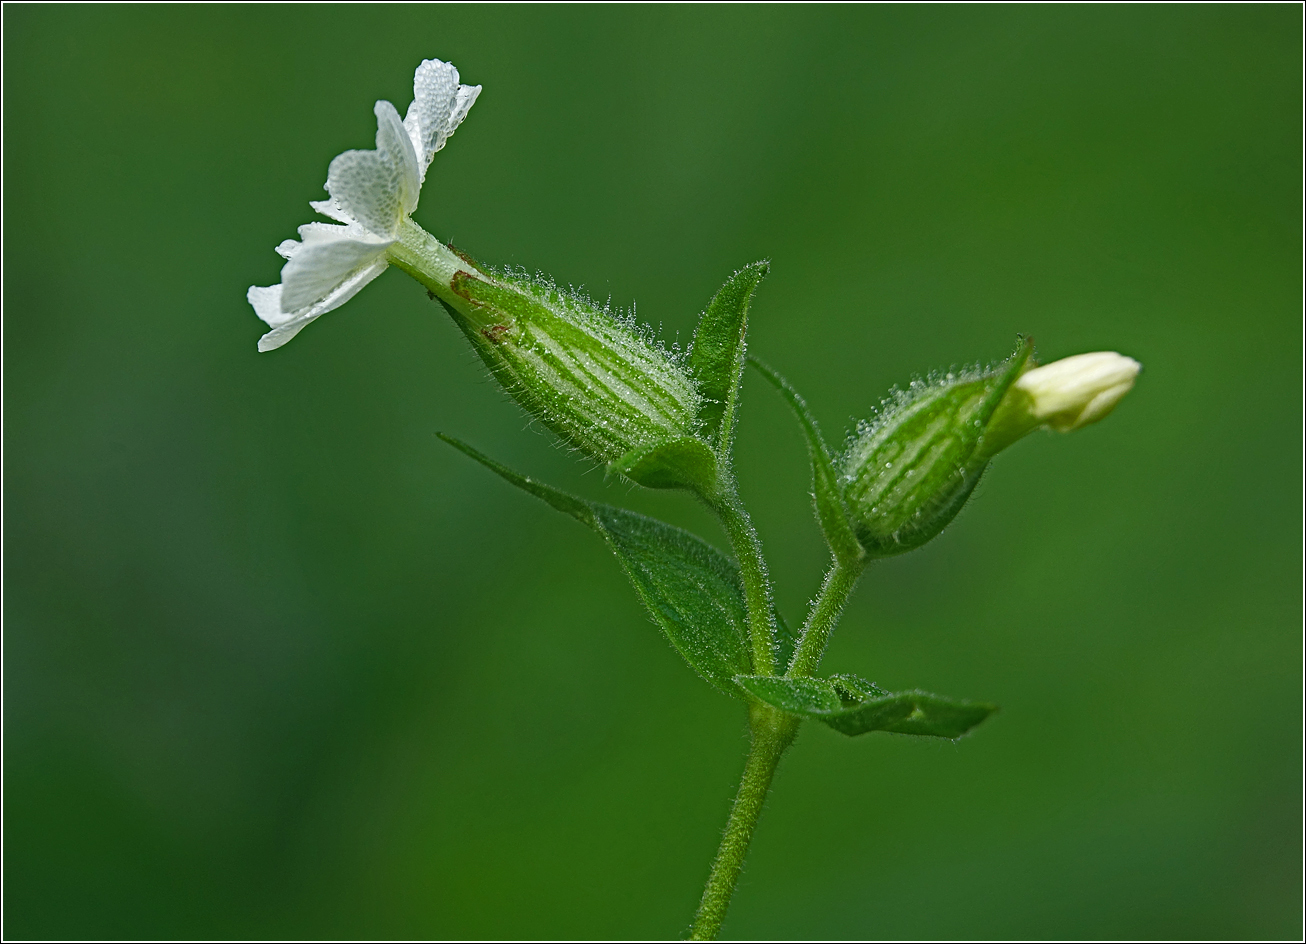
[[598, 381], [1079, 390], [1065, 395], [907, 473]]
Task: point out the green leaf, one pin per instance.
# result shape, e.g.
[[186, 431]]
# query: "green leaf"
[[717, 358], [691, 589], [680, 463], [810, 697], [831, 508], [852, 706], [914, 712]]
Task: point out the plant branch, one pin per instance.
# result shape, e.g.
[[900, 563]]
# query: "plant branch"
[[752, 567], [840, 580]]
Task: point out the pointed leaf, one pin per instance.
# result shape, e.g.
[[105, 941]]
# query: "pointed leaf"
[[853, 707], [691, 589], [912, 713], [680, 463], [717, 359], [831, 509]]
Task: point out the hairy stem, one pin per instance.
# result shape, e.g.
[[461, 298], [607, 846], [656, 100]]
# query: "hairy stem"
[[772, 732], [757, 583], [840, 580]]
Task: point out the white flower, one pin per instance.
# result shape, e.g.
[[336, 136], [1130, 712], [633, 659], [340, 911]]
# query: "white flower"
[[1079, 390], [371, 194]]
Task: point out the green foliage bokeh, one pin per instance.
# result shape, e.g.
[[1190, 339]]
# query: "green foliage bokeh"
[[278, 662]]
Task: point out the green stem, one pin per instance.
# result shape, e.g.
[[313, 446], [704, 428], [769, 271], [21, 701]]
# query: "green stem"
[[840, 580], [757, 583], [773, 732]]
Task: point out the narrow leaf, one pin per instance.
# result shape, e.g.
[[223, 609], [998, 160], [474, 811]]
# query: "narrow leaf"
[[717, 359], [831, 509], [841, 704], [912, 713], [578, 508], [693, 591], [680, 463]]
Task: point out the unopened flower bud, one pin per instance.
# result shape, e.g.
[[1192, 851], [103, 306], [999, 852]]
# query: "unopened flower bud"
[[1079, 390], [907, 474], [1065, 395]]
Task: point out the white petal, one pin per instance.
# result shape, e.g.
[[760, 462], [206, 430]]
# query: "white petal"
[[1075, 391], [326, 232], [439, 106], [329, 208], [267, 304], [325, 261], [392, 138], [287, 247], [289, 325], [435, 84], [377, 188], [463, 103]]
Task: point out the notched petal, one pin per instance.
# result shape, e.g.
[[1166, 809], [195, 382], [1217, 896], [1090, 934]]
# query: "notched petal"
[[267, 304], [365, 186], [439, 106], [463, 103], [377, 188], [323, 263], [286, 326], [435, 84]]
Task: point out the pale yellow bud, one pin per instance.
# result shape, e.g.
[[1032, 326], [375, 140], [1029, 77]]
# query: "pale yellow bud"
[[1075, 391]]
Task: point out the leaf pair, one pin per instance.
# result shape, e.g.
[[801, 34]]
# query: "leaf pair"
[[695, 595], [853, 706], [693, 591]]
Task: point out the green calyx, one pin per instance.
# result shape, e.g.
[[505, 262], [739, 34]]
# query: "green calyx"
[[586, 375], [906, 475]]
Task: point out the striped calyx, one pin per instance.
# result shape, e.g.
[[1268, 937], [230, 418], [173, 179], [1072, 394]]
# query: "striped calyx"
[[907, 473], [597, 380]]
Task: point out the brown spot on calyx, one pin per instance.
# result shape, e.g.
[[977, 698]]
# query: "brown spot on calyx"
[[462, 255], [473, 290], [459, 284]]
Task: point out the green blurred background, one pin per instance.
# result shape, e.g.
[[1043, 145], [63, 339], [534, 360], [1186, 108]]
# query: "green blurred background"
[[280, 663]]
